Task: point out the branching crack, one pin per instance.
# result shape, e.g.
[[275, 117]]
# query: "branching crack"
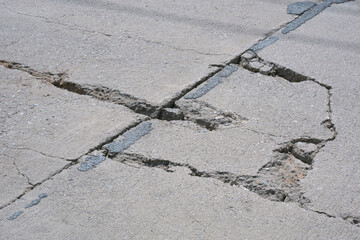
[[22, 174], [276, 181]]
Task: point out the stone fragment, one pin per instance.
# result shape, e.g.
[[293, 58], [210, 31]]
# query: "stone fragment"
[[170, 114], [304, 151]]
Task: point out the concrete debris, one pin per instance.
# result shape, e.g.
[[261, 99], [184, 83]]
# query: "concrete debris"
[[207, 116], [170, 114], [304, 151]]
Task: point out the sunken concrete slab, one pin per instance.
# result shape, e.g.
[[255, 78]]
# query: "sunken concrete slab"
[[333, 49], [152, 51], [42, 127], [115, 201]]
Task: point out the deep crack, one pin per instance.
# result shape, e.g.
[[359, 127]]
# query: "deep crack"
[[276, 181]]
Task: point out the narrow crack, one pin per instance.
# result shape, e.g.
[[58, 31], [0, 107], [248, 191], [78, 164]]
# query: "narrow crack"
[[33, 150], [73, 162], [82, 29], [22, 174]]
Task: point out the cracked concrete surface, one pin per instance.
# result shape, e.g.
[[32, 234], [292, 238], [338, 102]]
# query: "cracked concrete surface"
[[179, 120], [43, 128], [143, 203], [333, 184], [135, 58]]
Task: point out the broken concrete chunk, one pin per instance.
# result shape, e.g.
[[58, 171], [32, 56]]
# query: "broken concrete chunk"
[[205, 115], [304, 151], [298, 8], [128, 138], [172, 114], [256, 64], [248, 55]]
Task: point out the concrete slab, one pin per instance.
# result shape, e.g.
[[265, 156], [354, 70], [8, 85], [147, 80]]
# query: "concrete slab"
[[234, 149], [273, 105], [115, 201], [42, 127], [152, 51], [334, 50]]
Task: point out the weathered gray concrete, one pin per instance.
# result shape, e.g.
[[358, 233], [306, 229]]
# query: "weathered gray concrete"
[[329, 51], [42, 127], [140, 120], [115, 201]]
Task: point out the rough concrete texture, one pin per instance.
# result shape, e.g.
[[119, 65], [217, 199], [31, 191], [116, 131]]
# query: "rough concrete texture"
[[135, 46], [333, 185], [42, 127], [115, 201], [179, 119]]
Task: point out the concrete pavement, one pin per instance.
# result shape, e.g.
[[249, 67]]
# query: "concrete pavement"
[[179, 120]]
